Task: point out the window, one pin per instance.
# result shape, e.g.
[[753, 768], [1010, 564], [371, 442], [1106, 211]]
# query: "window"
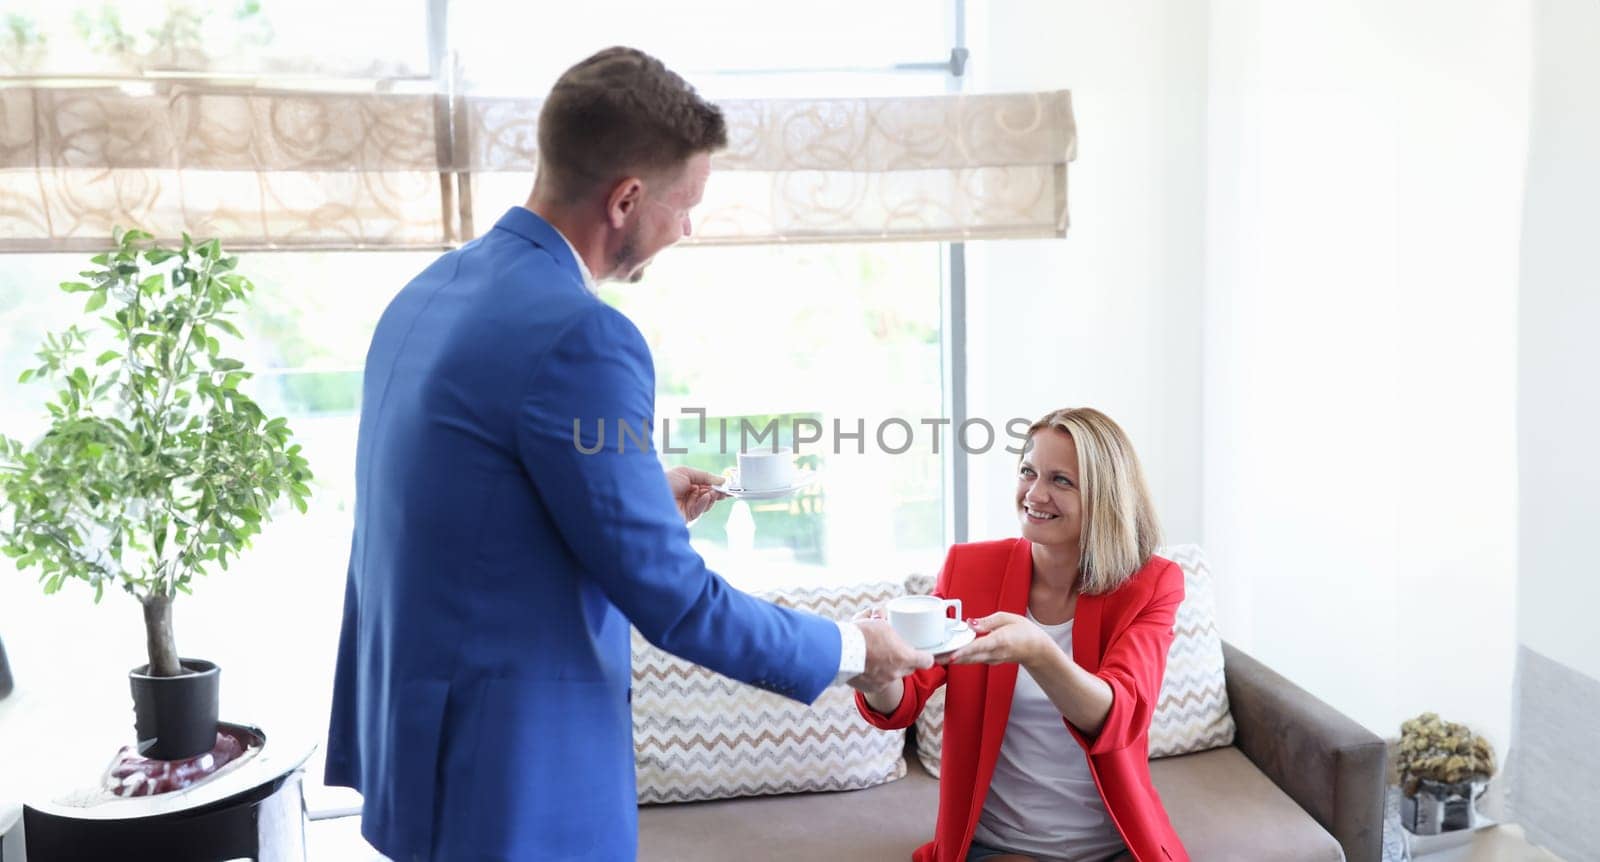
[[255, 38], [847, 333]]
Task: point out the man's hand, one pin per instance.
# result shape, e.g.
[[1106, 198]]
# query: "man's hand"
[[889, 657], [695, 491], [1004, 639]]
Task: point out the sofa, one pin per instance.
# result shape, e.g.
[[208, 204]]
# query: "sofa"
[[1301, 782], [1290, 778]]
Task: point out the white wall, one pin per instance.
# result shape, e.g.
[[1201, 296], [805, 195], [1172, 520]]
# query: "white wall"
[[1109, 316], [1554, 758], [1360, 467], [1559, 411], [1292, 275]]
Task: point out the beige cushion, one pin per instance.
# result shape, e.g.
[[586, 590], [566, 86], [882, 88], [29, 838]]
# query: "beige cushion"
[[1223, 807], [700, 735], [1192, 714], [930, 722], [930, 732]]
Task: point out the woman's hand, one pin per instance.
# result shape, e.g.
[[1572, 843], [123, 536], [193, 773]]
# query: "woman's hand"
[[1004, 639], [1082, 698]]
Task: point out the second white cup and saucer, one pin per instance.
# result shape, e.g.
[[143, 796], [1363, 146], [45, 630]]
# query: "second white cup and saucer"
[[925, 623], [766, 476]]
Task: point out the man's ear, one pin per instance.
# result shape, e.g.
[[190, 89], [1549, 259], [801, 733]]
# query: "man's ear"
[[625, 196]]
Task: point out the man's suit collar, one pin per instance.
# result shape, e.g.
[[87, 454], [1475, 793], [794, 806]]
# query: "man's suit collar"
[[531, 226]]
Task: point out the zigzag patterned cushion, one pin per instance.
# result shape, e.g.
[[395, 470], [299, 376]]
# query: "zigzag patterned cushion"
[[700, 735], [930, 724], [1192, 714]]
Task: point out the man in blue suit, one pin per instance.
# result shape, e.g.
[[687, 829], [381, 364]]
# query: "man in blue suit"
[[481, 704]]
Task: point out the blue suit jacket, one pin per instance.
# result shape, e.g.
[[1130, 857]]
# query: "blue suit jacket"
[[481, 704]]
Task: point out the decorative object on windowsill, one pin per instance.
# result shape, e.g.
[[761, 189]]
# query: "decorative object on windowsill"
[[1444, 767], [155, 467]]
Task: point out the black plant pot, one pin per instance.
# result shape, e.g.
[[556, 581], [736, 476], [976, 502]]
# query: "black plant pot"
[[176, 716], [5, 672]]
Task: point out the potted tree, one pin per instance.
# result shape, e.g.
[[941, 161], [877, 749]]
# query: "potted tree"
[[155, 467]]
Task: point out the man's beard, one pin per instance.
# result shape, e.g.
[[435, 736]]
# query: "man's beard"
[[626, 261]]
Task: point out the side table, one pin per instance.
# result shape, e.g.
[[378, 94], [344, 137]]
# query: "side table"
[[255, 811]]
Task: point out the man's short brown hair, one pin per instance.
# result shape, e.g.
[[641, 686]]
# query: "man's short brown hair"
[[621, 113]]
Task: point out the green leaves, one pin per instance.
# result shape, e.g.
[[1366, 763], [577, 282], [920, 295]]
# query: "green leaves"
[[156, 466]]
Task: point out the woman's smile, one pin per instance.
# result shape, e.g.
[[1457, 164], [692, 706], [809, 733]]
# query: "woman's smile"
[[1037, 516]]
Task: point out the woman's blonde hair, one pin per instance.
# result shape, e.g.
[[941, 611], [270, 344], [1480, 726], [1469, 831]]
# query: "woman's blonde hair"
[[1120, 531]]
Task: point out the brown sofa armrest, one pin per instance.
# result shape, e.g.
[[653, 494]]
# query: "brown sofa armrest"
[[1325, 761]]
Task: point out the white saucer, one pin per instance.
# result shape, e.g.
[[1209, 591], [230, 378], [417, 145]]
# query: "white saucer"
[[731, 489], [960, 634]]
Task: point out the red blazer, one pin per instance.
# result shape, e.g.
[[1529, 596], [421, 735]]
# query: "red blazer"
[[1121, 637]]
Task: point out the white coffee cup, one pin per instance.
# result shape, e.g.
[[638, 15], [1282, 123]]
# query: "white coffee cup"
[[766, 471], [923, 621]]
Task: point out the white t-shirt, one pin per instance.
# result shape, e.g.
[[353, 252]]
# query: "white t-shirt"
[[1042, 800]]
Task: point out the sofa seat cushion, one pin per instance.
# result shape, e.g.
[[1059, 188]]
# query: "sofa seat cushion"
[[1223, 807], [886, 822], [1220, 804]]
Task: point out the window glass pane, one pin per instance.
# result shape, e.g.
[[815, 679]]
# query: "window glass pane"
[[716, 44], [31, 305], [820, 341], [292, 38]]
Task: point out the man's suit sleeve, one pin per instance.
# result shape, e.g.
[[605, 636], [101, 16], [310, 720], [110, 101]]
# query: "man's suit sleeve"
[[617, 516]]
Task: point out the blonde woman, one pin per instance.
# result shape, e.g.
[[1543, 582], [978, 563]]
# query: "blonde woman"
[[1047, 712]]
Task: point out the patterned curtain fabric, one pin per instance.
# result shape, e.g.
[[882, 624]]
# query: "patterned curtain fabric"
[[263, 168]]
